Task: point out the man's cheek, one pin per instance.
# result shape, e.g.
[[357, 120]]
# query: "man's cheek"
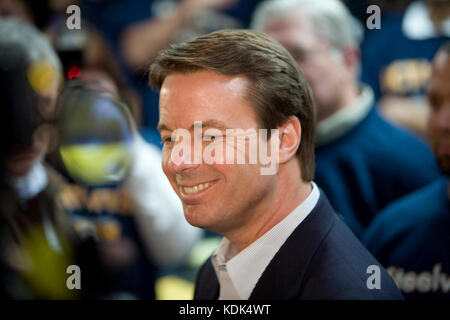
[[165, 157]]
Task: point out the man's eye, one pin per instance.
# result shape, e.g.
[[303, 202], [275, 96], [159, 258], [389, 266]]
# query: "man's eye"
[[210, 137], [166, 139]]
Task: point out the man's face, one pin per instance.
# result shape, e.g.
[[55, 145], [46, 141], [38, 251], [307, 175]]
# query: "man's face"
[[217, 197], [320, 64], [439, 100]]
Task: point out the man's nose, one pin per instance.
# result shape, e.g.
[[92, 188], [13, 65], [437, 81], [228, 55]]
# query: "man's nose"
[[184, 156]]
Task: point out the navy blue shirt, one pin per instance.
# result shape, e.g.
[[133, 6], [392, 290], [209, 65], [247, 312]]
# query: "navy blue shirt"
[[411, 238], [371, 165]]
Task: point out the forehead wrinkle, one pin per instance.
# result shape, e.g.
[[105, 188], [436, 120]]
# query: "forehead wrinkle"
[[219, 91], [212, 123], [203, 93]]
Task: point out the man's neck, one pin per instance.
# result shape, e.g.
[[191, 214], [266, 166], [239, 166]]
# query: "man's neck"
[[290, 192], [348, 95]]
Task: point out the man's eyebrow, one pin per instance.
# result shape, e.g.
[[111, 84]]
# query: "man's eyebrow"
[[211, 123]]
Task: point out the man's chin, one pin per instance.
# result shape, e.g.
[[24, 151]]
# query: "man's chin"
[[200, 220], [194, 216]]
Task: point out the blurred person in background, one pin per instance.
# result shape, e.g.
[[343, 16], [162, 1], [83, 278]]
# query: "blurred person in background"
[[37, 241], [119, 195], [86, 55], [363, 162], [396, 59], [411, 237]]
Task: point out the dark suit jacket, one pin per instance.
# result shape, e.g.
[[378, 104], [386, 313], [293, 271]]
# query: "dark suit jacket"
[[321, 259]]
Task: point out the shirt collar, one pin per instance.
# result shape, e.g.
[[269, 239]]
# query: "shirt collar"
[[417, 25], [345, 119], [259, 254]]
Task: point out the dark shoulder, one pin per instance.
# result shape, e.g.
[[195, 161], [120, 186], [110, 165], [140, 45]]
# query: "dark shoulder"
[[433, 197], [405, 152], [417, 215], [375, 135], [383, 130]]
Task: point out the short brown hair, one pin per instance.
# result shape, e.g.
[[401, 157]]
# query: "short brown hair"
[[277, 90]]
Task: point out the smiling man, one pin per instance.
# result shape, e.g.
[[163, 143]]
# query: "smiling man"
[[282, 239]]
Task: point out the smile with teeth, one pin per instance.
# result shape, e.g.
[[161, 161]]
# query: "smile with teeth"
[[195, 189]]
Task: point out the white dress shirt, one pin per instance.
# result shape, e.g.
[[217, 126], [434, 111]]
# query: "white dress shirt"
[[238, 272]]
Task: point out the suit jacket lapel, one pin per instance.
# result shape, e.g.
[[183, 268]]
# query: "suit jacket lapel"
[[207, 285], [283, 277]]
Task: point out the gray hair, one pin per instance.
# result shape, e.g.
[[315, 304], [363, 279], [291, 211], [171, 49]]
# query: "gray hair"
[[331, 20], [17, 34]]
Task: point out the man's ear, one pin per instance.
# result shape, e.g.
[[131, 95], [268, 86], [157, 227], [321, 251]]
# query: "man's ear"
[[290, 136]]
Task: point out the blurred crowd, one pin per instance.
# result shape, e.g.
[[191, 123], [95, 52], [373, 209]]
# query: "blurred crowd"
[[81, 181]]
